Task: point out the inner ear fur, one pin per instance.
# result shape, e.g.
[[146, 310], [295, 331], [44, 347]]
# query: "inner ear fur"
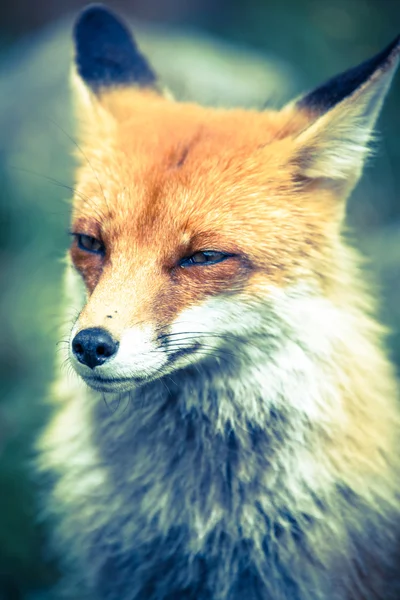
[[342, 114]]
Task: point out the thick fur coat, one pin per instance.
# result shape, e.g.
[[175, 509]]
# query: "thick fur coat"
[[239, 442]]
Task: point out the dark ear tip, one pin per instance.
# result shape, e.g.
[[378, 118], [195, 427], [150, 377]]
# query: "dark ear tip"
[[94, 10], [95, 16], [391, 52], [344, 85], [395, 45], [106, 54]]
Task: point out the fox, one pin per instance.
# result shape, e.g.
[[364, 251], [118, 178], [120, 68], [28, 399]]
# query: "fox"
[[229, 426]]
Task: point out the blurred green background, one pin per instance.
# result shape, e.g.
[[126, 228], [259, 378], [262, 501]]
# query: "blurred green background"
[[217, 51]]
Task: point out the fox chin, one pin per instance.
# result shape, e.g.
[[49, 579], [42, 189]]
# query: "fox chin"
[[252, 453]]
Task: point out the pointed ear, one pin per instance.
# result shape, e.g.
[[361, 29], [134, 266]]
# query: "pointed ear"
[[342, 114], [106, 55]]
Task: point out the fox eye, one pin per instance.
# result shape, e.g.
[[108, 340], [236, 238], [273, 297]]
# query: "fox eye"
[[205, 257], [89, 243]]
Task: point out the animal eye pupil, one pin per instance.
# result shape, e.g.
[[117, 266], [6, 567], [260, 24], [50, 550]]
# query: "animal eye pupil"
[[200, 257], [210, 257], [90, 244]]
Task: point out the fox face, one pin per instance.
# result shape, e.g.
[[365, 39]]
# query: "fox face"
[[199, 233], [183, 227]]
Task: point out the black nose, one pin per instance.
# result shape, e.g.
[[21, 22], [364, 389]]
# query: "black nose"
[[92, 347]]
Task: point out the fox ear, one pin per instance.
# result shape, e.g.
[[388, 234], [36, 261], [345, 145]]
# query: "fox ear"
[[106, 54], [343, 112]]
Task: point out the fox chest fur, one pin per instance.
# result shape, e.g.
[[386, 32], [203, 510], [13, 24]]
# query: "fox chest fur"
[[161, 503], [230, 427]]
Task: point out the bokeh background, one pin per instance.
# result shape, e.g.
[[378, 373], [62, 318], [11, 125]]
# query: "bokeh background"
[[245, 52]]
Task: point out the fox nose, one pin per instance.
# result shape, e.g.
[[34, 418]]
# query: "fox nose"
[[94, 346]]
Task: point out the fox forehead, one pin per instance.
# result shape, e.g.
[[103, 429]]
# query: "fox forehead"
[[148, 115], [167, 178]]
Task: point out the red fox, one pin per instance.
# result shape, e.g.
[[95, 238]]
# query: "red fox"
[[231, 431]]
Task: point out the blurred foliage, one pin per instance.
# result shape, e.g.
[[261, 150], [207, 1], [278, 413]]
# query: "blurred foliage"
[[300, 43]]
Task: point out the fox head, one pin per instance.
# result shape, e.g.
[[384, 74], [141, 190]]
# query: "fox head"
[[196, 230]]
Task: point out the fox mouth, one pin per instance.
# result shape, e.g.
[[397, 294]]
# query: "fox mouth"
[[113, 384], [122, 384]]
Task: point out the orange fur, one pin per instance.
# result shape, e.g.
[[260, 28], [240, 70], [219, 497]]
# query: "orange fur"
[[142, 182]]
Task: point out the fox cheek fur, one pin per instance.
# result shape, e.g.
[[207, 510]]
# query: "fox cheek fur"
[[261, 462]]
